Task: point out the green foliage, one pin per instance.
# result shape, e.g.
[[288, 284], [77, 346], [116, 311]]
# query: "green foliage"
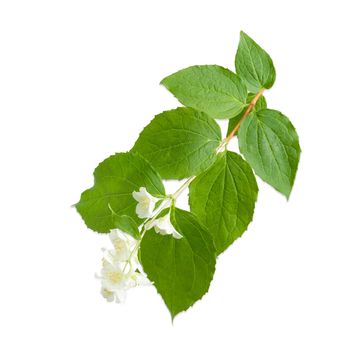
[[186, 143], [180, 143], [260, 104], [115, 180], [270, 144], [212, 89], [181, 269], [126, 224], [223, 198], [253, 65]]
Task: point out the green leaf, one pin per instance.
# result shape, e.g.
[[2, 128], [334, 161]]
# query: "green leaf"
[[253, 65], [180, 143], [223, 198], [260, 104], [212, 89], [126, 224], [115, 180], [269, 143], [181, 269]]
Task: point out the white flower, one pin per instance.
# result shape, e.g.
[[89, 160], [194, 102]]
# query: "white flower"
[[113, 278], [146, 203], [120, 268], [163, 226], [121, 245]]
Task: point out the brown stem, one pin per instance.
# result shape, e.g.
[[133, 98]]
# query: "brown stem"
[[245, 114]]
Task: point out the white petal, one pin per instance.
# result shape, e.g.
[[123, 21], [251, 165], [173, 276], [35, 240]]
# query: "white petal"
[[120, 296], [176, 235], [142, 195], [113, 236], [108, 295], [143, 211], [141, 280], [144, 191], [163, 224], [161, 227], [146, 203], [138, 196]]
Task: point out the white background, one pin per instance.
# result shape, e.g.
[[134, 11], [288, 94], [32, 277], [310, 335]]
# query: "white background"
[[79, 80]]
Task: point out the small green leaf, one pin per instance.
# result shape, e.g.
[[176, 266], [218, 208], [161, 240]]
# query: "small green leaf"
[[223, 198], [269, 142], [126, 224], [212, 89], [180, 143], [115, 180], [253, 65], [260, 104], [181, 269]]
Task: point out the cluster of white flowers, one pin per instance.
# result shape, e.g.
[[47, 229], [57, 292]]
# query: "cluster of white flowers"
[[120, 268], [146, 208]]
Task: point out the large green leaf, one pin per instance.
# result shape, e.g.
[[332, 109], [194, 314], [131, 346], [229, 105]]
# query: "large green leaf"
[[269, 142], [115, 180], [253, 65], [181, 269], [260, 104], [212, 89], [180, 143], [223, 198]]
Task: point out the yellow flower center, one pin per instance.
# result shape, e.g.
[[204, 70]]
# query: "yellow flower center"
[[115, 276], [119, 245]]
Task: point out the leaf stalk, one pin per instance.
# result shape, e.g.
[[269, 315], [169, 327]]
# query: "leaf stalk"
[[245, 114]]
